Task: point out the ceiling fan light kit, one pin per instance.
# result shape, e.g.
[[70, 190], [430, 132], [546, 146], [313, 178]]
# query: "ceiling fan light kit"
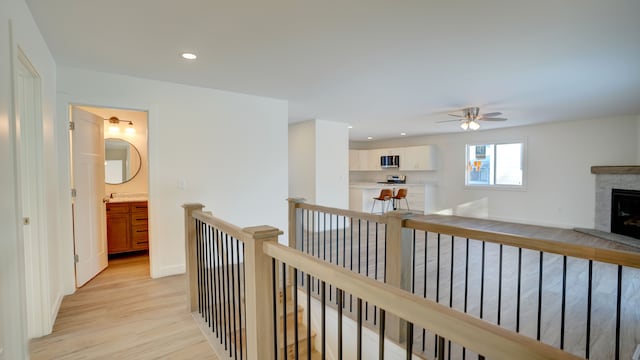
[[470, 118]]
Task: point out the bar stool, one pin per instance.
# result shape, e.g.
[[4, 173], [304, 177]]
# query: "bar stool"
[[401, 194], [385, 195]]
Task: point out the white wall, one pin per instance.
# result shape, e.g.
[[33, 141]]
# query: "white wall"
[[26, 36], [302, 160], [560, 189], [319, 162], [228, 150], [332, 164]]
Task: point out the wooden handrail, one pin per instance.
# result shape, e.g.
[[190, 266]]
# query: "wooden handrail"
[[477, 335], [611, 256], [348, 213]]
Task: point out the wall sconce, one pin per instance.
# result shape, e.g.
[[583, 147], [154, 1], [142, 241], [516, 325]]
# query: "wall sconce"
[[114, 125]]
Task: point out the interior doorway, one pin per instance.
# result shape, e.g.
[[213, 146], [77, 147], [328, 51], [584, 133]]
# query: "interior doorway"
[[31, 194], [123, 190]]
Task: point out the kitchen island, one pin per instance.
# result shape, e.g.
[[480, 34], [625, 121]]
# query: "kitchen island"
[[419, 195]]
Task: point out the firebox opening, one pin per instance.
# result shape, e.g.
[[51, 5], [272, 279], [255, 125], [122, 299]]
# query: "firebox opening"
[[625, 212]]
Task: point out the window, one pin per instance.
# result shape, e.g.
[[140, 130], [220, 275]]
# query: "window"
[[495, 165]]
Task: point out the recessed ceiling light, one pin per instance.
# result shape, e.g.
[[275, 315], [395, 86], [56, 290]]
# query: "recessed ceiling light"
[[403, 134], [350, 127], [189, 56], [369, 137]]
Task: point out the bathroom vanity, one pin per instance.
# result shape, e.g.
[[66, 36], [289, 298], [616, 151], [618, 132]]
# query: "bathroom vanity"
[[127, 226]]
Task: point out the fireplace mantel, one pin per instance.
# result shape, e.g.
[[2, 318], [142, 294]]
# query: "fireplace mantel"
[[616, 170]]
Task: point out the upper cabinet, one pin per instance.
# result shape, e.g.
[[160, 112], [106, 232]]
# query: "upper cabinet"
[[413, 158], [418, 158]]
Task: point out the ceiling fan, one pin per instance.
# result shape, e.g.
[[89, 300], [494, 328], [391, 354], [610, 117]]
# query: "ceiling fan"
[[471, 116]]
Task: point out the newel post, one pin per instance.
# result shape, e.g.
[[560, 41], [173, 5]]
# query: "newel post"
[[295, 221], [259, 296], [190, 253], [399, 265]]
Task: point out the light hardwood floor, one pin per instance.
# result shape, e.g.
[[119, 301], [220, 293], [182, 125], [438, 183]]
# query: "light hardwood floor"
[[124, 314]]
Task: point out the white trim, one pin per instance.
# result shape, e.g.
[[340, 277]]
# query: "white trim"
[[28, 118]]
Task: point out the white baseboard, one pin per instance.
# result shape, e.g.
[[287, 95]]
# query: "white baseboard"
[[168, 271]]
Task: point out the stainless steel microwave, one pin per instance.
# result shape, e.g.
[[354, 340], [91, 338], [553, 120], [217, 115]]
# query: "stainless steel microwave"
[[390, 161]]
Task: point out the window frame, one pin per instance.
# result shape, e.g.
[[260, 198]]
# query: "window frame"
[[523, 162]]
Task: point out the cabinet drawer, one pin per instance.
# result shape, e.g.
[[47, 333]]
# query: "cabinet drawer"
[[139, 219], [139, 237], [117, 208]]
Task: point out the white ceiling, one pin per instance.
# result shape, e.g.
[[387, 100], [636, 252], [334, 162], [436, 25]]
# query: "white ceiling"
[[382, 66]]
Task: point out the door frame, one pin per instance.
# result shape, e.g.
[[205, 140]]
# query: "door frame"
[[28, 125], [69, 105]]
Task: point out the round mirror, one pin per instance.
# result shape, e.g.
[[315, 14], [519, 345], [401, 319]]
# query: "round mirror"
[[121, 161]]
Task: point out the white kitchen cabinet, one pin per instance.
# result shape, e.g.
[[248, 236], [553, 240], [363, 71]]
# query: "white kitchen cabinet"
[[418, 158]]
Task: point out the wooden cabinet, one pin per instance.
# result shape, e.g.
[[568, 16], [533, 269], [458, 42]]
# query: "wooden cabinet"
[[127, 227]]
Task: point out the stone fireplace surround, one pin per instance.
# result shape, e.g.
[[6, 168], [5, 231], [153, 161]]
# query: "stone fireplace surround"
[[608, 178]]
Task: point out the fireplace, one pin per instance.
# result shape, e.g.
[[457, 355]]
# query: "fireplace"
[[625, 212]]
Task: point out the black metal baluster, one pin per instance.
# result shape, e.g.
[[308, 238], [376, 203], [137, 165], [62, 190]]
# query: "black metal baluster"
[[313, 244], [285, 353], [381, 334], [351, 261], [324, 236], [441, 346], [384, 268], [500, 285], [344, 241], [366, 303], [274, 294], [564, 300], [519, 290], [210, 286], [451, 284], [413, 261], [480, 357], [225, 298], [424, 286], [589, 294], [540, 270], [234, 333], [436, 348], [330, 248], [230, 334], [214, 279], [239, 330], [295, 310], [359, 335], [324, 320], [409, 345], [339, 294], [220, 302], [375, 274], [198, 263], [618, 311], [308, 317], [466, 288], [482, 280]]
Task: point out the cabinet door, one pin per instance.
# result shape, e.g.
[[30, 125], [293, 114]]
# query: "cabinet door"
[[118, 226], [420, 158]]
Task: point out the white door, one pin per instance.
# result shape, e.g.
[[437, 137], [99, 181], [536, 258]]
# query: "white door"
[[89, 222]]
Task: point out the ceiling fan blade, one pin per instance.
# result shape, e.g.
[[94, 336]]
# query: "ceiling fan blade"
[[444, 121], [493, 119], [456, 115], [491, 114]]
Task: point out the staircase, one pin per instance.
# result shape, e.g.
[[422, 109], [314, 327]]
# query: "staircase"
[[290, 318]]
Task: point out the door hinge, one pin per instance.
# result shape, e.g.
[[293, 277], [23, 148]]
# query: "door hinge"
[[72, 125], [73, 193], [76, 258], [26, 221]]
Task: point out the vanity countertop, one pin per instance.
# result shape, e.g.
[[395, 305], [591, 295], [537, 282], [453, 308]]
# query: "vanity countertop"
[[125, 200]]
